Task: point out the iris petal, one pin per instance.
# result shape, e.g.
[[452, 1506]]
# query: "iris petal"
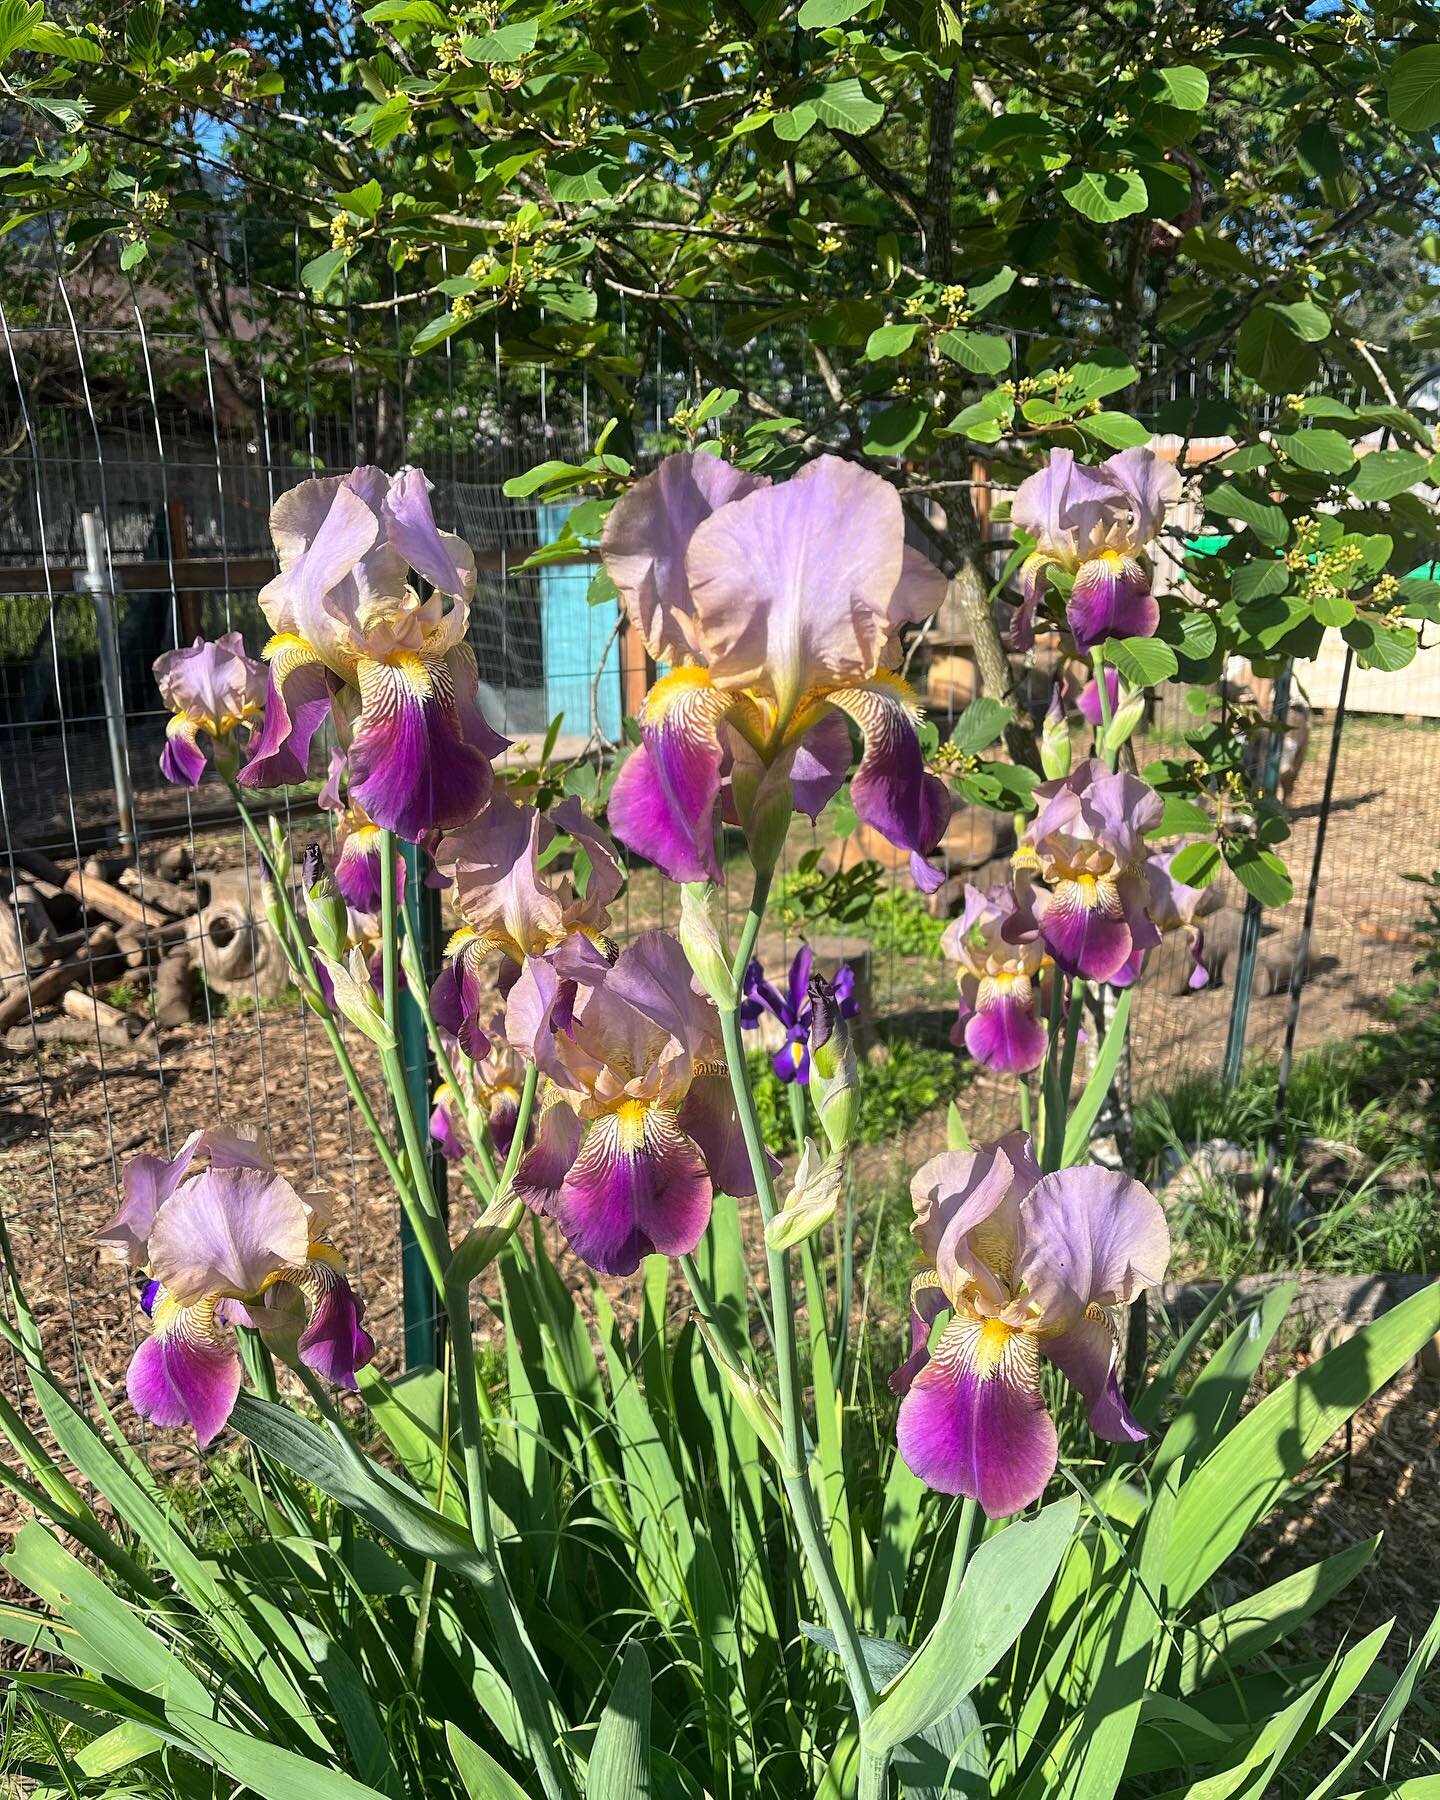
[[1111, 598], [892, 789], [639, 1185], [184, 1373], [297, 704], [663, 803], [1085, 1356], [974, 1422], [412, 766], [182, 761]]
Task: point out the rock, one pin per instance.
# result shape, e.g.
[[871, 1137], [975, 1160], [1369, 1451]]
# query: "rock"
[[1185, 1174]]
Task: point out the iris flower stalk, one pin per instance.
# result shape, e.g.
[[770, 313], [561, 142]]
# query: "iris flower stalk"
[[793, 1472], [412, 1183]]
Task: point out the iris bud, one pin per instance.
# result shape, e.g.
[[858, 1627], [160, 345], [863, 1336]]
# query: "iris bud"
[[1127, 716], [703, 946], [835, 1075], [324, 908], [1055, 739]]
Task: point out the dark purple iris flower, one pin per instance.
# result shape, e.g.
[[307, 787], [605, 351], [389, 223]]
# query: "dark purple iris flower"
[[793, 1009]]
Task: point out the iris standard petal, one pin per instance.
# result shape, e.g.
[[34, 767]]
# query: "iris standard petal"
[[639, 1186], [1085, 1356], [801, 586], [226, 1232], [185, 1373], [974, 1422], [411, 765], [892, 790], [146, 1182], [1089, 1237], [662, 805], [297, 704], [444, 560], [647, 534]]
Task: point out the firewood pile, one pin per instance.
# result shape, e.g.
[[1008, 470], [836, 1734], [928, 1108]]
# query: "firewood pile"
[[139, 930]]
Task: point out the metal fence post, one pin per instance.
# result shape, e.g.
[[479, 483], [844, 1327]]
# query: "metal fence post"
[[423, 1308], [1250, 928], [98, 582]]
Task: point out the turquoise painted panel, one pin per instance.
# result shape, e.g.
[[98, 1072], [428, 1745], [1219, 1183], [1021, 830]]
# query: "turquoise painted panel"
[[573, 635]]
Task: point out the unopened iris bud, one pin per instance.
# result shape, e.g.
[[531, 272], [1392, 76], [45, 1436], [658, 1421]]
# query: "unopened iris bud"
[[813, 1200], [281, 861], [703, 946], [324, 908], [355, 996], [1127, 716], [835, 1075], [1055, 739], [270, 903]]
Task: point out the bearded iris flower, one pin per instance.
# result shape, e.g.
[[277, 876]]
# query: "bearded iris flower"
[[515, 899], [778, 608], [211, 687], [353, 639], [1087, 845], [1004, 985], [639, 1131], [227, 1241], [1094, 524], [1028, 1266], [496, 1081], [793, 1010]]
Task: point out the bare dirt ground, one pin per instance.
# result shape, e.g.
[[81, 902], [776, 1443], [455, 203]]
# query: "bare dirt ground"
[[69, 1119]]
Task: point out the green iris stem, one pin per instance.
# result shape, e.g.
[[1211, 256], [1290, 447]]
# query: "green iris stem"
[[1102, 688], [1050, 1074], [964, 1544], [1026, 1124], [434, 1240], [794, 1474], [445, 1064], [298, 955]]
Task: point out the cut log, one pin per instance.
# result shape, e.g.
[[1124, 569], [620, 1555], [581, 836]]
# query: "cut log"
[[104, 897], [144, 944], [66, 1030], [174, 863], [39, 864], [174, 984], [47, 987], [154, 890], [90, 1010]]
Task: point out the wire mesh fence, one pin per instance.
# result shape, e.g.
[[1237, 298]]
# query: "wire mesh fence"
[[172, 420]]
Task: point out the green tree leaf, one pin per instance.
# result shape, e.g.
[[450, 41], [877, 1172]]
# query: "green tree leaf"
[[892, 431], [1183, 87], [1320, 451], [1143, 662], [979, 351], [845, 106], [1104, 196], [1413, 91], [1385, 473]]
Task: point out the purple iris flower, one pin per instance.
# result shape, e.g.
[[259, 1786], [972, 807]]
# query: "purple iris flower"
[[1027, 1266], [639, 1130], [1095, 524], [779, 608], [226, 1240], [213, 688], [793, 1009], [352, 637]]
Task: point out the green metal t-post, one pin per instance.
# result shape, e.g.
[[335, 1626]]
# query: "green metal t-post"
[[1250, 925], [424, 1311]]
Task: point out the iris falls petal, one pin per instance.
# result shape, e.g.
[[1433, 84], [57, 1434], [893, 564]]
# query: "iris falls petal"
[[974, 1422]]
